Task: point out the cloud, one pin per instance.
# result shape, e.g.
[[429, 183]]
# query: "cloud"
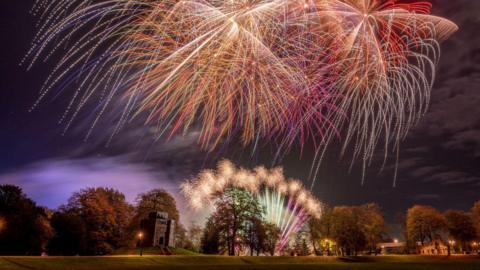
[[462, 180], [51, 182], [468, 140], [454, 114], [426, 197], [424, 171], [445, 177], [444, 148]]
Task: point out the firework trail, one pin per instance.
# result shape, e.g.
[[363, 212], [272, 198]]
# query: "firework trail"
[[383, 68], [286, 203], [286, 71], [234, 68]]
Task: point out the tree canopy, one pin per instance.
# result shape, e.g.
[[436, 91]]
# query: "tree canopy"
[[424, 224], [236, 212], [460, 226], [24, 228], [106, 215]]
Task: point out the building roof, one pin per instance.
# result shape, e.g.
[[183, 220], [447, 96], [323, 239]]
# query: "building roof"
[[391, 245]]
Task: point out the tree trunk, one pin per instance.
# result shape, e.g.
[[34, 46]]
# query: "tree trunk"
[[314, 248], [233, 240]]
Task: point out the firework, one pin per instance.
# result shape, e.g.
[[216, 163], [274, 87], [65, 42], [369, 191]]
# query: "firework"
[[382, 68], [286, 71], [229, 68], [286, 203]]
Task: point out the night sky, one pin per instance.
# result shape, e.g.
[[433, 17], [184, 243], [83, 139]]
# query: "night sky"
[[438, 163]]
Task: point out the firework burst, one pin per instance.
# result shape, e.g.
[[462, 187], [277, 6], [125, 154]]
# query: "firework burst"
[[285, 71], [286, 203], [382, 68], [232, 68]]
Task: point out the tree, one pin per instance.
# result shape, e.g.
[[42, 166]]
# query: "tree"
[[476, 217], [424, 223], [460, 227], [106, 215], [181, 239], [210, 242], [272, 235], [235, 211], [401, 219], [301, 246], [194, 234], [157, 200], [315, 233], [373, 225], [254, 236], [347, 230], [321, 229], [25, 229], [70, 235]]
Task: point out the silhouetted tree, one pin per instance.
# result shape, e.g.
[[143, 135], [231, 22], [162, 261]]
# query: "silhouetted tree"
[[255, 235], [347, 230], [424, 223], [272, 235], [373, 225], [210, 242], [70, 235], [460, 227], [321, 229], [25, 229], [476, 217]]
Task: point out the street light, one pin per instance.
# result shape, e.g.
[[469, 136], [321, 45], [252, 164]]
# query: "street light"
[[140, 237], [395, 241]]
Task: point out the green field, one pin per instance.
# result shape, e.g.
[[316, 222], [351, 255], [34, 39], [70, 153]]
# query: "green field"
[[232, 263]]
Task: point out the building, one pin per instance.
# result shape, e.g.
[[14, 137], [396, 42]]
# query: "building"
[[436, 247], [158, 230], [394, 247]]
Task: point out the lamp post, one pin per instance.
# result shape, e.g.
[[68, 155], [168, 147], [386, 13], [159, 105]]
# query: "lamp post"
[[140, 237]]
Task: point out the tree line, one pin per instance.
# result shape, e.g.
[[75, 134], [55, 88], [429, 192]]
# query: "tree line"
[[348, 230], [98, 221], [94, 221], [459, 230]]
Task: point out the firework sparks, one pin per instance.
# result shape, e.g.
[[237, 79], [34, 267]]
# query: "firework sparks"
[[286, 202], [278, 70], [234, 68], [383, 67]]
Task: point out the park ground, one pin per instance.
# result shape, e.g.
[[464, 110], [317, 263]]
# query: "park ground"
[[233, 263]]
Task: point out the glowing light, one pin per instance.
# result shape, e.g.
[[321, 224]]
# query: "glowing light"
[[286, 203], [286, 71], [384, 66], [230, 68]]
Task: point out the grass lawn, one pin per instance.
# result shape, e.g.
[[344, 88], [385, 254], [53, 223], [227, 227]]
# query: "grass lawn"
[[233, 263]]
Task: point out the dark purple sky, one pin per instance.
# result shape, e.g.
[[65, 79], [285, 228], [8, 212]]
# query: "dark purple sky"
[[439, 162]]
